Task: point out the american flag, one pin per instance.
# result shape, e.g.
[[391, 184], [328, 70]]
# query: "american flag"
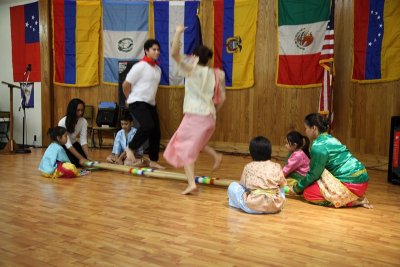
[[326, 61]]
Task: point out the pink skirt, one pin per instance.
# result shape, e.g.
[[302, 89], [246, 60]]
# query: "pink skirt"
[[190, 138]]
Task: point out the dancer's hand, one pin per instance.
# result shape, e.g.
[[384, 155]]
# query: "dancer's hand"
[[180, 28]]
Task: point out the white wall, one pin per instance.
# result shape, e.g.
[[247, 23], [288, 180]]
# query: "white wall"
[[34, 115]]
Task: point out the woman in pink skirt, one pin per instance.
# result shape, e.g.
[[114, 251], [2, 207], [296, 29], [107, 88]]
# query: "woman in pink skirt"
[[198, 123]]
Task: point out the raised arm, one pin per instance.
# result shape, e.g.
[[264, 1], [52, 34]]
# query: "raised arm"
[[176, 43]]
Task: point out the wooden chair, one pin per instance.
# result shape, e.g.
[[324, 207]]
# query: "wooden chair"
[[89, 116], [101, 130]]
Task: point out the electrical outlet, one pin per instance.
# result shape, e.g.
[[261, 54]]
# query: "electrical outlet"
[[34, 144]]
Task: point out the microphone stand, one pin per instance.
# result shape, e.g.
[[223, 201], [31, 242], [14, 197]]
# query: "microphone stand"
[[23, 150]]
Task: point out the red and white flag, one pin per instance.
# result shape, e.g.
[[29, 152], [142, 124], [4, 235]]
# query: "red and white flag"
[[326, 61]]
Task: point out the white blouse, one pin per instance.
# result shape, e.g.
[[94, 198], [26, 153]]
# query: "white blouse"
[[199, 87], [80, 129]]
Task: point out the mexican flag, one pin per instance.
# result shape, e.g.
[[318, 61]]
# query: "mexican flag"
[[301, 32]]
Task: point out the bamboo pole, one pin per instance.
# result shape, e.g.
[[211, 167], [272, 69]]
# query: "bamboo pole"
[[148, 172]]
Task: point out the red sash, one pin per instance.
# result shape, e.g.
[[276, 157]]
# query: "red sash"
[[149, 60]]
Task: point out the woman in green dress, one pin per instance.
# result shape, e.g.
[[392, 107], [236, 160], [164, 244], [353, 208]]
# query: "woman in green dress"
[[336, 178]]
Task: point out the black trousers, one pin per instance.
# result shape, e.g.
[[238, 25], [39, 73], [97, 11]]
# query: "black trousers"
[[149, 128], [74, 160]]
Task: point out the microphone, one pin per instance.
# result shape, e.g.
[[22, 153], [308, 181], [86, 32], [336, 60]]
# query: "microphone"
[[28, 69]]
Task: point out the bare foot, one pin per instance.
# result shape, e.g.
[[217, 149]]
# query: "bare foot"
[[189, 189], [155, 165], [367, 206], [363, 201], [135, 163], [217, 161], [145, 162]]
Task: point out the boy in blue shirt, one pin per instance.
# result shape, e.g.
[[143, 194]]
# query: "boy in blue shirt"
[[122, 139]]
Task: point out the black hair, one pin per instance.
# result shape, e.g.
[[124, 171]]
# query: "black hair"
[[317, 120], [204, 53], [296, 138], [72, 119], [126, 116], [56, 132], [260, 148], [149, 43]]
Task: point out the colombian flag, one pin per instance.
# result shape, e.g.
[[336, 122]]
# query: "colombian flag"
[[25, 41], [234, 40], [76, 34], [376, 41]]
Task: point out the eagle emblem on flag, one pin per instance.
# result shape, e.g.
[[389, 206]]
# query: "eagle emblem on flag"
[[303, 38]]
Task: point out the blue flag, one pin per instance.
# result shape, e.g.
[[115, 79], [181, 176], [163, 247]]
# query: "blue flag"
[[27, 95], [125, 30], [166, 16]]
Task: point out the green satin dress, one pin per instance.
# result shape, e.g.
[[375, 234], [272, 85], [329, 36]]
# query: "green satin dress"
[[328, 153]]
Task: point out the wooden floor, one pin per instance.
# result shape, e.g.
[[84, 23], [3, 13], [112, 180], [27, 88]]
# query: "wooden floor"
[[113, 219]]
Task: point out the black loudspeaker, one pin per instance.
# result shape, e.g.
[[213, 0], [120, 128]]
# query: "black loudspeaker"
[[107, 114], [123, 68], [394, 151]]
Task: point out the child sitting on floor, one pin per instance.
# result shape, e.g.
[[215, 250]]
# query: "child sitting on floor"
[[122, 139], [298, 162], [55, 162], [261, 187]]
